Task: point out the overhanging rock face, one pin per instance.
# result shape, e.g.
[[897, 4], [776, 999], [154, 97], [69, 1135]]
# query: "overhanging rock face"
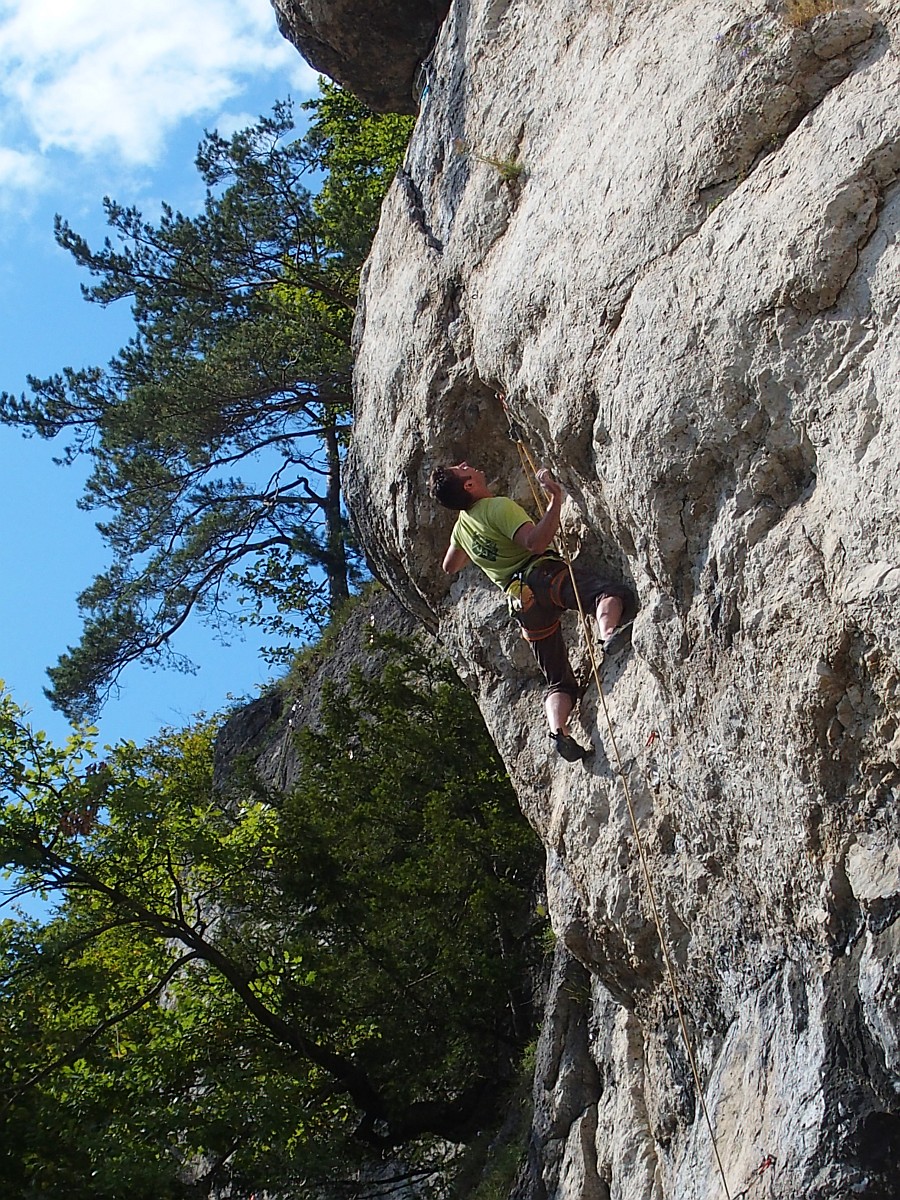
[[668, 231], [372, 47]]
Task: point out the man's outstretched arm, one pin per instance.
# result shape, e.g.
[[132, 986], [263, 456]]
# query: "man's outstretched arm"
[[537, 538]]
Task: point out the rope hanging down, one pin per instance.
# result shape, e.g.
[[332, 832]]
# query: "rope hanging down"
[[530, 468]]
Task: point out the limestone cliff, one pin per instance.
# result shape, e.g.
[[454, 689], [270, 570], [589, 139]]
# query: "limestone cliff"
[[668, 231]]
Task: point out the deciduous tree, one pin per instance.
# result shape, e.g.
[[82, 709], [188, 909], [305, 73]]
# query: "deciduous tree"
[[269, 991]]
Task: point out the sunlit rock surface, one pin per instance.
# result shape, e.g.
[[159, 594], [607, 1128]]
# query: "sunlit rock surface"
[[669, 233]]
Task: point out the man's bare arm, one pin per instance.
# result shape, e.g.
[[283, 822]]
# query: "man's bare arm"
[[454, 560], [537, 538]]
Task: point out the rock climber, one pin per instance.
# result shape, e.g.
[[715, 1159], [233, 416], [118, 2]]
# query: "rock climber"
[[497, 535]]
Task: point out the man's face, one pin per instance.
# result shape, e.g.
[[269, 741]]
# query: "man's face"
[[466, 473]]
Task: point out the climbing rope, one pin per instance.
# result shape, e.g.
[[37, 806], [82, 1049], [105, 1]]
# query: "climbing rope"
[[531, 469]]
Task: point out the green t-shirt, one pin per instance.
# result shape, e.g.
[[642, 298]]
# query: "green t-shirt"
[[485, 532]]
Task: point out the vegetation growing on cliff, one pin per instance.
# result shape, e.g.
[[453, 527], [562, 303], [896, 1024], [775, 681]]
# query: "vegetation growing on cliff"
[[271, 993], [216, 434]]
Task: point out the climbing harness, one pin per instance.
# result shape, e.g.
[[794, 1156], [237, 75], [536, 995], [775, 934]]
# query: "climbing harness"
[[530, 469], [519, 596]]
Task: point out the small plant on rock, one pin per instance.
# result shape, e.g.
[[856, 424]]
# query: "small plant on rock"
[[801, 12], [510, 169]]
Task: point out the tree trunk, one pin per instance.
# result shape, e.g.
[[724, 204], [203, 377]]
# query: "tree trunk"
[[336, 554]]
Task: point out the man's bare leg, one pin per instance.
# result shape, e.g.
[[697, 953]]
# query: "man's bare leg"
[[558, 707], [609, 613]]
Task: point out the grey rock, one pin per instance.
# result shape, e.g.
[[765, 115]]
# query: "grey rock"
[[262, 733], [245, 733], [372, 49], [561, 1160], [688, 288]]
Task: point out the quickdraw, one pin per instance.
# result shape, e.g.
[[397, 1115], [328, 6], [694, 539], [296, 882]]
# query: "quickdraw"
[[767, 1162]]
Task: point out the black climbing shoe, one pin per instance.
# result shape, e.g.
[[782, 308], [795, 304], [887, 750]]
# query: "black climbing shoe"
[[568, 748]]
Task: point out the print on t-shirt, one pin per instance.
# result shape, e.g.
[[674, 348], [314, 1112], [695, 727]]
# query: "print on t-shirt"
[[484, 547]]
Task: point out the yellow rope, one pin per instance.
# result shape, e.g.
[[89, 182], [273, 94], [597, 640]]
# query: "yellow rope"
[[531, 470]]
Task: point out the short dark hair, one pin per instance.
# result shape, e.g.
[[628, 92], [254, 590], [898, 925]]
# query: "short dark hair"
[[448, 489]]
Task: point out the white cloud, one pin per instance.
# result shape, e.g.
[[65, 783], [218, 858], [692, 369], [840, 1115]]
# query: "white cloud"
[[96, 77], [20, 171], [228, 123]]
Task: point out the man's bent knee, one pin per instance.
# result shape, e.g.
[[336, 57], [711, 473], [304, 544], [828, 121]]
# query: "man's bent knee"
[[623, 593]]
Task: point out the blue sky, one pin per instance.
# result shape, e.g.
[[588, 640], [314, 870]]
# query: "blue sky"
[[97, 99]]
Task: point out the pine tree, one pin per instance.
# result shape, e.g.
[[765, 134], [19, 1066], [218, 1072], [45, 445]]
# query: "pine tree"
[[216, 434]]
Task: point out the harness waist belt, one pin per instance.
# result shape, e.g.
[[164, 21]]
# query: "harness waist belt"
[[528, 566]]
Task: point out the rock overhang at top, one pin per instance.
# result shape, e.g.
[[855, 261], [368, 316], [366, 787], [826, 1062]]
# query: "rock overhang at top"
[[371, 48]]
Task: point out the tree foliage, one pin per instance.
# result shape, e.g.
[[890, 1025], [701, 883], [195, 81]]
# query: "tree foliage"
[[260, 992], [216, 434]]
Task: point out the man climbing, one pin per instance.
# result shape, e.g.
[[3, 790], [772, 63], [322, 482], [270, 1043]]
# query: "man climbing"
[[497, 535]]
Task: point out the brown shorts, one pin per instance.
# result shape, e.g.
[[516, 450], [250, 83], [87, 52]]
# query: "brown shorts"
[[548, 593]]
